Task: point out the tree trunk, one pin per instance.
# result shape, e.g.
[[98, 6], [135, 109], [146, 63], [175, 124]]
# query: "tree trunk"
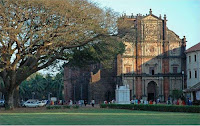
[[16, 97], [9, 100]]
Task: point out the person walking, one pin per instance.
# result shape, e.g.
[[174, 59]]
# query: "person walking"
[[85, 102], [92, 102], [70, 102]]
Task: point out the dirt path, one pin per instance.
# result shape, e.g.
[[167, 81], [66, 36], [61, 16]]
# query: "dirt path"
[[43, 109]]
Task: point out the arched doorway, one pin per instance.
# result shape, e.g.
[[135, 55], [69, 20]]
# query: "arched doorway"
[[151, 91]]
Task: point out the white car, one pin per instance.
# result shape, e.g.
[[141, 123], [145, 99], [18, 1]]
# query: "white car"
[[31, 103], [41, 103]]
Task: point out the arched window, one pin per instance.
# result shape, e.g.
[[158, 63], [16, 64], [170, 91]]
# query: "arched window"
[[151, 70]]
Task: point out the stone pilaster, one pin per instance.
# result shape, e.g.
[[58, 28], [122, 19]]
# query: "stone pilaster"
[[139, 88], [166, 88], [165, 62]]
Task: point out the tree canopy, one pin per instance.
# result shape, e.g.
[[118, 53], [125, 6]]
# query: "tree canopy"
[[34, 33], [103, 52], [41, 86]]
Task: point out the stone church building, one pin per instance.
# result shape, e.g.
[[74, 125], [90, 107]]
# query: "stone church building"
[[154, 61], [153, 64]]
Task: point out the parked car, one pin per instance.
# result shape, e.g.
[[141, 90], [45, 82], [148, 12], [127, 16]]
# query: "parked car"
[[2, 102], [31, 103], [41, 103]]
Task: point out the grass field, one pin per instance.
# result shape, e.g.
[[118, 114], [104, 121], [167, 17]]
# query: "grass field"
[[94, 116]]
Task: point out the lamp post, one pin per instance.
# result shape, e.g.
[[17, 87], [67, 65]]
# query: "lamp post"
[[182, 80], [49, 96]]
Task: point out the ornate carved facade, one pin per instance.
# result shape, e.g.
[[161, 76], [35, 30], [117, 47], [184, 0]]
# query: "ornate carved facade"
[[154, 61]]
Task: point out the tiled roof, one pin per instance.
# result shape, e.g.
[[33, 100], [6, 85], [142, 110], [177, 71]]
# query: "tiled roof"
[[194, 48]]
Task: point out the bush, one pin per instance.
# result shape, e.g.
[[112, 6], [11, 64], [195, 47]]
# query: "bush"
[[76, 107], [53, 107], [57, 107], [164, 108], [48, 107], [66, 107], [103, 106]]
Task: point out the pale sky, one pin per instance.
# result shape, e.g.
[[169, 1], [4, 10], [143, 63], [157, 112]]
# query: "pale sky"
[[183, 15]]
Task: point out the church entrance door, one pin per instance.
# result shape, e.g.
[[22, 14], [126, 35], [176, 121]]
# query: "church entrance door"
[[151, 90]]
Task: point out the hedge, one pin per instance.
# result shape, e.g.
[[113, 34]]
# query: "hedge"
[[76, 107], [157, 107], [66, 107], [53, 107]]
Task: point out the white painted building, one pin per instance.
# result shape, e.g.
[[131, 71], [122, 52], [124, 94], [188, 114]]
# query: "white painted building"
[[193, 72]]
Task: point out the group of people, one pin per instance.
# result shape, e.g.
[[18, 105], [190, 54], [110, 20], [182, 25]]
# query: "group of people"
[[182, 102], [111, 102], [135, 101], [141, 101], [81, 102], [157, 101]]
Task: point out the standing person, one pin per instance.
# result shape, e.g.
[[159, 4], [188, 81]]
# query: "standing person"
[[70, 102], [158, 101], [85, 102], [190, 102], [93, 102], [79, 103]]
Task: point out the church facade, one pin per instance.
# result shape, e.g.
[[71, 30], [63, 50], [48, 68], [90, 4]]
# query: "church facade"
[[153, 63]]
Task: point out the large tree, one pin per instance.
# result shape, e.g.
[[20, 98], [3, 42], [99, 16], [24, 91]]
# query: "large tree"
[[35, 33]]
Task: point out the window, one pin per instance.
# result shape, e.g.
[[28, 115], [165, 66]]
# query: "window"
[[190, 74], [128, 50], [195, 58], [175, 69], [151, 70], [152, 49], [189, 59], [195, 74], [174, 50], [128, 69]]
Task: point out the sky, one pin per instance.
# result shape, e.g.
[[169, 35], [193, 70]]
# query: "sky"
[[183, 15]]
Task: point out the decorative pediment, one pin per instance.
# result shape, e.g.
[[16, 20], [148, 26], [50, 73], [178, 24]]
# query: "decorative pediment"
[[150, 17], [128, 48], [127, 63], [151, 65]]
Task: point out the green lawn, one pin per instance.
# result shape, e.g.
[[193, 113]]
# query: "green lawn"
[[95, 116]]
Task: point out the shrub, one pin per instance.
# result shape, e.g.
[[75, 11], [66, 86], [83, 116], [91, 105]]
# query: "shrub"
[[57, 107], [66, 106], [48, 107], [103, 106], [76, 107], [164, 108], [53, 107]]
